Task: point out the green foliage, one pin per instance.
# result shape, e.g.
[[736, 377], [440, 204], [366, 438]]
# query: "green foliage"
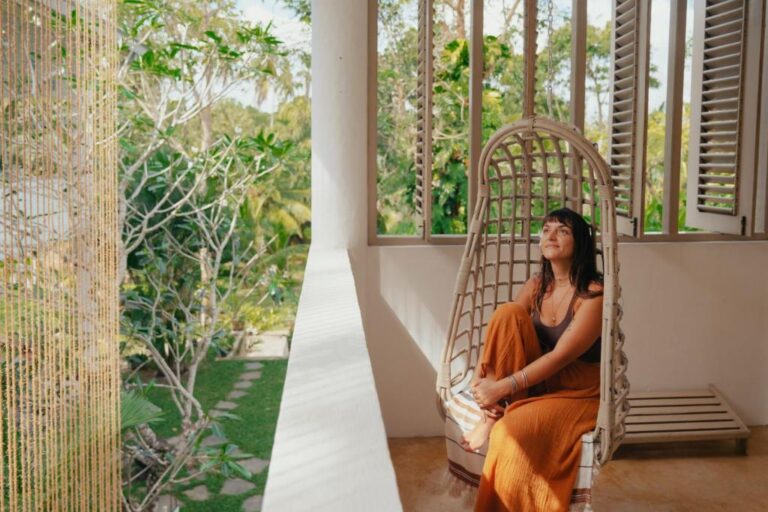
[[215, 213], [253, 432], [654, 177], [502, 98], [136, 410], [168, 287], [176, 45], [451, 138]]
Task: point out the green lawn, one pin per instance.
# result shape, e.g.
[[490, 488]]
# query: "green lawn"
[[253, 433]]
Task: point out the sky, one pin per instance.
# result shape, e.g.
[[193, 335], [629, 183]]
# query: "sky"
[[286, 26]]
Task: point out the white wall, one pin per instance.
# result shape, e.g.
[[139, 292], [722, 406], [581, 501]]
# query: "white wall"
[[339, 123], [330, 452], [695, 314]]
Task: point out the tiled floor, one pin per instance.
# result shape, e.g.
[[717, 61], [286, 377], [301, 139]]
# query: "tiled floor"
[[684, 477]]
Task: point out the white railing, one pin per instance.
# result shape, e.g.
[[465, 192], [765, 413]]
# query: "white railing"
[[330, 450]]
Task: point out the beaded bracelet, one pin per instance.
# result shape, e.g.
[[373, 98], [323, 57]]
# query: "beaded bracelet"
[[525, 378], [515, 387]]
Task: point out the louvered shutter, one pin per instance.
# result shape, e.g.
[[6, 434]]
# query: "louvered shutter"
[[761, 189], [724, 89], [423, 157], [629, 106]]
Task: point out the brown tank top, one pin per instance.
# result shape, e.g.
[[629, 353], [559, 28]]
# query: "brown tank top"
[[549, 335]]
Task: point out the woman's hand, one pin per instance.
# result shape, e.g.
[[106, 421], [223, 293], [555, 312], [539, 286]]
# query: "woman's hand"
[[487, 392]]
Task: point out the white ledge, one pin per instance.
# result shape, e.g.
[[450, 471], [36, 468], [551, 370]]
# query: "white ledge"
[[330, 450]]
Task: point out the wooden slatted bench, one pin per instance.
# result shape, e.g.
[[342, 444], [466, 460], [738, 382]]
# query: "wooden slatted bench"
[[673, 416]]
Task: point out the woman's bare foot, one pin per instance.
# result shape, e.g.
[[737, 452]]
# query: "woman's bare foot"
[[477, 437]]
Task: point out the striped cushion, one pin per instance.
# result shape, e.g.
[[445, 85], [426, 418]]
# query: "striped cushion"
[[462, 413]]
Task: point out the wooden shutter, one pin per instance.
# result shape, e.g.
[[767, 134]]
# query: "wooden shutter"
[[423, 157], [724, 114], [629, 106], [761, 201]]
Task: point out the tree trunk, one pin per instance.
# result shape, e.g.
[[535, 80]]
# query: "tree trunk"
[[206, 118], [458, 9], [509, 14]]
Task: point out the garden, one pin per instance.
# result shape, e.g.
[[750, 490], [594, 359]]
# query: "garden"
[[214, 209]]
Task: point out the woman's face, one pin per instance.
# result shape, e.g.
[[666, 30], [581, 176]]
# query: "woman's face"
[[557, 242]]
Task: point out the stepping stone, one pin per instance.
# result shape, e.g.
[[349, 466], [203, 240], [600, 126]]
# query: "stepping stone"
[[266, 345], [235, 486], [254, 366], [166, 503], [212, 440], [226, 406], [199, 493], [254, 465], [253, 504], [234, 395], [243, 384], [250, 375]]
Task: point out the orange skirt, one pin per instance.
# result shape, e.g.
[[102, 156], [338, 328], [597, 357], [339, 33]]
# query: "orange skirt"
[[534, 450]]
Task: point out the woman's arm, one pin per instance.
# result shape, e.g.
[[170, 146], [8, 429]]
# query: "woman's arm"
[[581, 333]]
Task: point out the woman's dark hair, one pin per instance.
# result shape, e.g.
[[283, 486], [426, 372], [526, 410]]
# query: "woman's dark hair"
[[584, 266]]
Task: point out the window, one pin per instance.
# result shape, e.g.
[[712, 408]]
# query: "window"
[[676, 113], [724, 114]]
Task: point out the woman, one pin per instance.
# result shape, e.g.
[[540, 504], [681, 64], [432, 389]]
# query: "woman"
[[548, 338]]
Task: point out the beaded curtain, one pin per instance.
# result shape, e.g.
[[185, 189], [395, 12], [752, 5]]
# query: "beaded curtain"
[[59, 361]]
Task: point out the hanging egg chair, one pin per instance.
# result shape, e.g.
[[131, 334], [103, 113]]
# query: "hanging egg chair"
[[527, 169]]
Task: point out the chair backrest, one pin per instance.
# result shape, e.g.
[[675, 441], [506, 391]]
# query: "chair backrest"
[[527, 169]]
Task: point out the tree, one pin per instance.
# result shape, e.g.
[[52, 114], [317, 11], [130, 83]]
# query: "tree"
[[187, 264], [501, 103]]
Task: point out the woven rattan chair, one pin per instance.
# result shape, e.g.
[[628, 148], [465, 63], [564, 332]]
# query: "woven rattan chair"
[[527, 169]]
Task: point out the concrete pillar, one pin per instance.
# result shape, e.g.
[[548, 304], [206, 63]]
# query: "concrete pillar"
[[339, 123]]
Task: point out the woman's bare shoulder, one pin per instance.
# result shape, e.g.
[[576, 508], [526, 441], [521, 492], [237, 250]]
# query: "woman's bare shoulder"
[[595, 286], [531, 286], [534, 280], [526, 294]]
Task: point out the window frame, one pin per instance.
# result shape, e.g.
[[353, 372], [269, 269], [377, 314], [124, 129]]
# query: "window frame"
[[758, 223]]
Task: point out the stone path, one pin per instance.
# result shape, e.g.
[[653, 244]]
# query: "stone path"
[[253, 504], [227, 406], [199, 493], [234, 486], [213, 440], [168, 503], [254, 465]]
